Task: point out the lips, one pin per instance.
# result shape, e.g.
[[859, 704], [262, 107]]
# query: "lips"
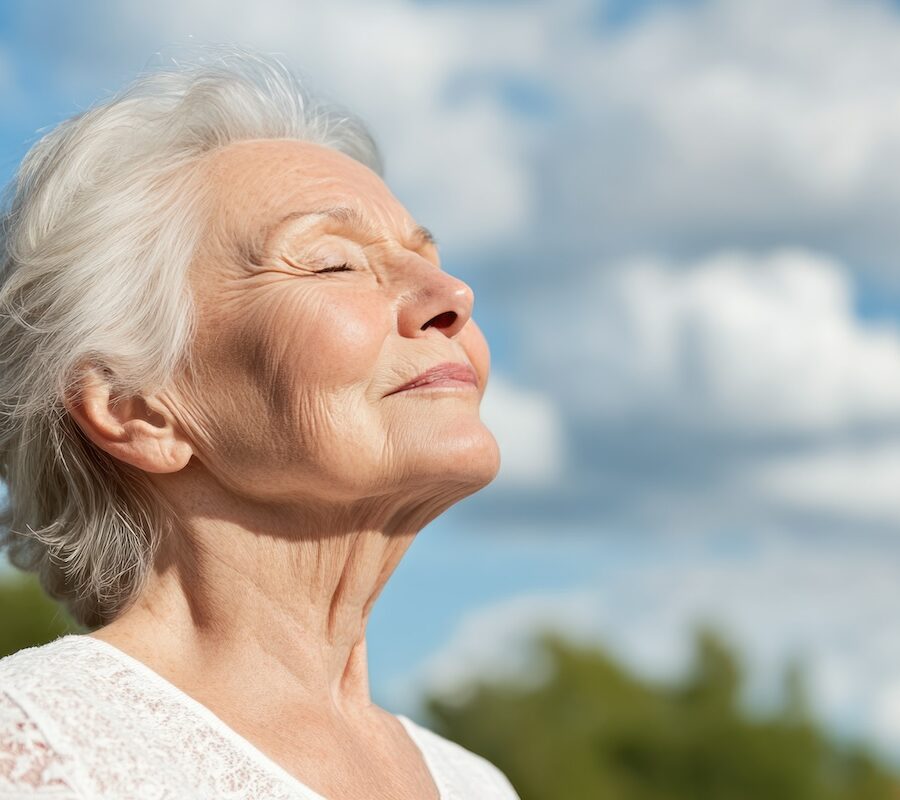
[[448, 373]]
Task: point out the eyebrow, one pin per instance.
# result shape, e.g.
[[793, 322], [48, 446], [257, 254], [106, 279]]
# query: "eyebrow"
[[348, 217]]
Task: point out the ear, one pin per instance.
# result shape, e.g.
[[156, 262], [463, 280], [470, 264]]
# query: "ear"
[[137, 430]]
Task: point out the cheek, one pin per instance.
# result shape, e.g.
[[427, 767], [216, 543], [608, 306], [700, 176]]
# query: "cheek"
[[303, 343], [283, 374]]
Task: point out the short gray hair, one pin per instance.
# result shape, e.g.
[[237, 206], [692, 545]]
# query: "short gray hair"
[[98, 230]]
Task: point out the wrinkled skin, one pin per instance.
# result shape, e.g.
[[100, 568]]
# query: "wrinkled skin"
[[298, 480], [309, 357]]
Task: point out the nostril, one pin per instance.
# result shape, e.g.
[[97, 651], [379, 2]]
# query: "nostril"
[[442, 320]]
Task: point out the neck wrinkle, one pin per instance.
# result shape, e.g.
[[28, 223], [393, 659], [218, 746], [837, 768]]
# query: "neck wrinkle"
[[268, 608]]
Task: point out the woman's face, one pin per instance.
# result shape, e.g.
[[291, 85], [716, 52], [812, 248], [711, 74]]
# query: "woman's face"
[[317, 297]]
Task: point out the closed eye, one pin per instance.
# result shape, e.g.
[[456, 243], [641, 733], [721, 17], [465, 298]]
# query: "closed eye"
[[336, 268]]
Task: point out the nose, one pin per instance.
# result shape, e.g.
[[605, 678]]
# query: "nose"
[[439, 301]]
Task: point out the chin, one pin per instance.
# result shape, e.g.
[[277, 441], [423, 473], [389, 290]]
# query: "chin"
[[472, 459]]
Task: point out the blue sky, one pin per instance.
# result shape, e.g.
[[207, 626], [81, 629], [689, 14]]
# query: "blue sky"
[[679, 219]]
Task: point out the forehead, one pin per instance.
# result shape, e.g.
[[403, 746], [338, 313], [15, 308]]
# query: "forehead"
[[256, 183]]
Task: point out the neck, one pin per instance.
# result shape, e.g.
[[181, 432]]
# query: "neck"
[[269, 604]]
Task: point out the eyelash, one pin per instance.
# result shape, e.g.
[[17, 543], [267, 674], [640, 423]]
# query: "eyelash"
[[336, 268]]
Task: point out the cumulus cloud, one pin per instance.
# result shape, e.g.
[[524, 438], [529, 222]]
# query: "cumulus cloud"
[[459, 165], [535, 128], [726, 123], [738, 386], [851, 482], [696, 126], [560, 147], [752, 343], [529, 432]]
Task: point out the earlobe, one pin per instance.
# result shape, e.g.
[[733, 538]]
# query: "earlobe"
[[130, 428]]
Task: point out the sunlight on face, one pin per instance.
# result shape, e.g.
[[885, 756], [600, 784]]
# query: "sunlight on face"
[[318, 296]]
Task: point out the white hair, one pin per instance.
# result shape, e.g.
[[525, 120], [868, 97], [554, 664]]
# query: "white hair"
[[98, 231]]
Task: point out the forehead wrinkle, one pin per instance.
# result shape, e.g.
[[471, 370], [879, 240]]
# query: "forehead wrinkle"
[[350, 217]]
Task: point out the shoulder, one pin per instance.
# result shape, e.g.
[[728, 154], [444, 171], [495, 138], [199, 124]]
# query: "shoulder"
[[31, 766], [36, 661], [49, 675], [471, 774]]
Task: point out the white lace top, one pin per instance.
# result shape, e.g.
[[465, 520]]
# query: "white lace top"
[[80, 718]]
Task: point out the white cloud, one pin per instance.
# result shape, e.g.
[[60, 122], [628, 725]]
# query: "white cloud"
[[860, 481], [727, 122], [529, 432], [886, 718], [488, 644], [831, 607], [755, 343], [738, 387], [697, 126], [459, 166]]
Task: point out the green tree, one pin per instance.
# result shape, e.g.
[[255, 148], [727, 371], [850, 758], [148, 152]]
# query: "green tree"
[[595, 730], [28, 616]]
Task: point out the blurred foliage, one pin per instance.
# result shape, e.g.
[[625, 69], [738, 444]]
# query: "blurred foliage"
[[594, 730], [28, 617]]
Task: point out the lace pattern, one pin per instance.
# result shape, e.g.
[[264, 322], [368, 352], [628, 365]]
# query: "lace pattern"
[[28, 764], [82, 720]]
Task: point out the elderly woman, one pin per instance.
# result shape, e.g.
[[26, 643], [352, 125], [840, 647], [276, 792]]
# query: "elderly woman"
[[235, 384]]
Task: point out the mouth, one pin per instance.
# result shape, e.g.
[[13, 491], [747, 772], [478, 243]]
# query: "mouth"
[[449, 374]]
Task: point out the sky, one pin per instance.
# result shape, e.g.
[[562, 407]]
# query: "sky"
[[679, 221]]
